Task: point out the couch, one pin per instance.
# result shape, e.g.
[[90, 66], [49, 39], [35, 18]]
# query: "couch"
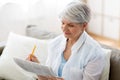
[[114, 59], [114, 62]]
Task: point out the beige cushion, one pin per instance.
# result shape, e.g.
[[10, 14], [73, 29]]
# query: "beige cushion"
[[114, 63], [106, 70], [20, 46]]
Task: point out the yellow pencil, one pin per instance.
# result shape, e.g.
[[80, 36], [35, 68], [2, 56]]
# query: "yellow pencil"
[[33, 51]]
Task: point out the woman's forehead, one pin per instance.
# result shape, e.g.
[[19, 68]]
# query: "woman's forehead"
[[67, 21]]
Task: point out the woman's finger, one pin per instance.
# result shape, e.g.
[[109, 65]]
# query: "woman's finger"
[[32, 58]]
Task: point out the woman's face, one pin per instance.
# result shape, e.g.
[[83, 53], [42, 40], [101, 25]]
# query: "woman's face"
[[72, 30]]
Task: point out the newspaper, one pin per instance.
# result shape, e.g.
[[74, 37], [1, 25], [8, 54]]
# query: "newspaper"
[[33, 67]]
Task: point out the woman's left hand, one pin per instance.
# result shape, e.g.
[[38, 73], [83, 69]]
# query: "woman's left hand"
[[40, 77]]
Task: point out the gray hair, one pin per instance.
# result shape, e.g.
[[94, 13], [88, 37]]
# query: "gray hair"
[[77, 12]]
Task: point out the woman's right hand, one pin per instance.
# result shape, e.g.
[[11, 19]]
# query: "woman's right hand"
[[32, 58]]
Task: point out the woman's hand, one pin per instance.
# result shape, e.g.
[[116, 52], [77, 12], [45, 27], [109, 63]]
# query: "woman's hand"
[[40, 77], [32, 58]]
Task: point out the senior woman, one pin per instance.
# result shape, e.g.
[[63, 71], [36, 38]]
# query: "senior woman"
[[74, 55]]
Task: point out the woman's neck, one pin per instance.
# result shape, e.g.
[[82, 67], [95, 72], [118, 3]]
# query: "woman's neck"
[[72, 40]]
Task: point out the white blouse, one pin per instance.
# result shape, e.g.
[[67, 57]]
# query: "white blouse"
[[85, 63]]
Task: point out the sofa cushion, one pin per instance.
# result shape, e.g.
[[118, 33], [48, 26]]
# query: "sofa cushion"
[[36, 32], [20, 46], [106, 70], [114, 63]]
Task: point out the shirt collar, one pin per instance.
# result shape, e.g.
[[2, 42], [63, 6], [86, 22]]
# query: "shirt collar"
[[78, 44]]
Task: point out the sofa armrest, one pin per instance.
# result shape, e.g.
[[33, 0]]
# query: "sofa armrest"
[[114, 63], [2, 45]]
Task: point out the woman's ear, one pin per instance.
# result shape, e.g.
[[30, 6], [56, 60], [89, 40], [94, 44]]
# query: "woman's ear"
[[85, 25]]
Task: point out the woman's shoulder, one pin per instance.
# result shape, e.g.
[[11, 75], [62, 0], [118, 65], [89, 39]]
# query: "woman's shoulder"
[[57, 39], [93, 45], [90, 41], [95, 48], [54, 43]]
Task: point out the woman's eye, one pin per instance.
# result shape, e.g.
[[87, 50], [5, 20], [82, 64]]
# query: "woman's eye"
[[71, 25], [62, 23]]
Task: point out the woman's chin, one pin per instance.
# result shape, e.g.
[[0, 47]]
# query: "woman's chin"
[[67, 36]]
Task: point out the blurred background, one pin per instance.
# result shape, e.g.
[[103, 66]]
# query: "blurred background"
[[16, 15]]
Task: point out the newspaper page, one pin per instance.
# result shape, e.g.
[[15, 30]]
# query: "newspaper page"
[[33, 67]]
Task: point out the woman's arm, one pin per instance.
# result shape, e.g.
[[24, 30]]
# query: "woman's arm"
[[94, 68], [48, 78]]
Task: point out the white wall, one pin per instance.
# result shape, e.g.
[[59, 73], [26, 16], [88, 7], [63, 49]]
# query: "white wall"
[[106, 18], [12, 18], [44, 16], [44, 13], [15, 15]]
